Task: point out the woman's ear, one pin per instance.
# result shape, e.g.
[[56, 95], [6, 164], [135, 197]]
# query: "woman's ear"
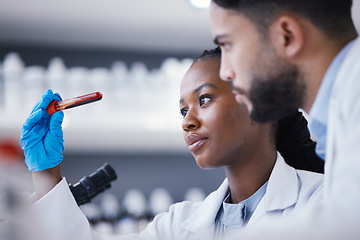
[[287, 36]]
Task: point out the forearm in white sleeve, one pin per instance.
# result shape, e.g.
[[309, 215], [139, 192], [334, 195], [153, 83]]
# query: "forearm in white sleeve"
[[57, 216]]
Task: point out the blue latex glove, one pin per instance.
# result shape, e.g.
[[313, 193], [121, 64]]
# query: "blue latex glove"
[[42, 135]]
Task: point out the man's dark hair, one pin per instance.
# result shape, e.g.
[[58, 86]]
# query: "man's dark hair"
[[332, 17]]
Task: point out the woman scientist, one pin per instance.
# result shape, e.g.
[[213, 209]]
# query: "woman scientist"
[[259, 185]]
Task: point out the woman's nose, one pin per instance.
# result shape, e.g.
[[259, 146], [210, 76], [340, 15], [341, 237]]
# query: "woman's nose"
[[190, 121], [226, 71]]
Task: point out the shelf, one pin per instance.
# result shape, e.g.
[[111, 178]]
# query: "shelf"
[[102, 133]]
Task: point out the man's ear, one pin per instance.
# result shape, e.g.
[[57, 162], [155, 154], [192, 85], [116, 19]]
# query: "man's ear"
[[287, 36]]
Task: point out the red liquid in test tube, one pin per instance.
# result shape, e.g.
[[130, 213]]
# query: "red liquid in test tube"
[[55, 106]]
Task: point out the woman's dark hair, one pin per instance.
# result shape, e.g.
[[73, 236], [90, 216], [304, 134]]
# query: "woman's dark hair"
[[294, 143], [333, 17], [292, 135], [214, 53]]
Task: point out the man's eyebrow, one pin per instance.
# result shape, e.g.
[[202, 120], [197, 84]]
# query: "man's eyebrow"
[[204, 86], [218, 38]]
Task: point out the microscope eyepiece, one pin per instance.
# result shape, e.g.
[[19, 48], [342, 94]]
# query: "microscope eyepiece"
[[90, 186]]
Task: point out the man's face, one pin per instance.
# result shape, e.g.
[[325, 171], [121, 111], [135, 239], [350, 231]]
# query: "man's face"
[[268, 85]]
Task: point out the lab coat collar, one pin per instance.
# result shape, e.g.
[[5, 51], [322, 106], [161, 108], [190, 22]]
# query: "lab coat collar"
[[281, 193], [203, 218], [283, 186]]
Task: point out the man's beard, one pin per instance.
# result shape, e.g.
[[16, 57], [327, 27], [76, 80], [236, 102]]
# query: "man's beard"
[[276, 91]]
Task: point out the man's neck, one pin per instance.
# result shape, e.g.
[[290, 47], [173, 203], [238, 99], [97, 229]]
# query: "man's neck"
[[314, 67]]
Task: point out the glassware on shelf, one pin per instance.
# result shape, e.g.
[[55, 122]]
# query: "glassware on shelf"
[[13, 67]]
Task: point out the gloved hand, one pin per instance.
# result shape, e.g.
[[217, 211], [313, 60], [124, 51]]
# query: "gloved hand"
[[42, 135]]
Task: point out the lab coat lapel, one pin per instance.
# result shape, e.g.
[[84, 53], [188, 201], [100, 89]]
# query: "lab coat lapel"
[[204, 217], [281, 192]]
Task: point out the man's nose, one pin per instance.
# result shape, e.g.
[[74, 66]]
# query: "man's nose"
[[226, 71]]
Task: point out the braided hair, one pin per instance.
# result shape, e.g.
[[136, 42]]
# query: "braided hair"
[[292, 136], [214, 53]]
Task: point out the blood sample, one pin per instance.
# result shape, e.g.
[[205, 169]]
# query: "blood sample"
[[55, 106]]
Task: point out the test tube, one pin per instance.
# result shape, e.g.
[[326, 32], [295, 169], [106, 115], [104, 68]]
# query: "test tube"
[[55, 106]]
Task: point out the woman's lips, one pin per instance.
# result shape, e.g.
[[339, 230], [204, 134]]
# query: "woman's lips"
[[194, 142]]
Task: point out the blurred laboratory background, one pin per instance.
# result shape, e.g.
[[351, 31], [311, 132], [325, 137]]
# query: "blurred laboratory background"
[[134, 52]]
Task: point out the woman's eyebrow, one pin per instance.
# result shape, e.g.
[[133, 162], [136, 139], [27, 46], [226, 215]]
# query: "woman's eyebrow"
[[204, 86], [199, 88]]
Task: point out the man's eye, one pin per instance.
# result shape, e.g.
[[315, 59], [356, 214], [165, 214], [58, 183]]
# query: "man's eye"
[[183, 112], [204, 99], [224, 46]]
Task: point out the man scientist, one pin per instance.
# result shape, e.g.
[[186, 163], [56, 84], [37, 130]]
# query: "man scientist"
[[281, 55]]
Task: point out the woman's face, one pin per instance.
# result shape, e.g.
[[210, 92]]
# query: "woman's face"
[[217, 129]]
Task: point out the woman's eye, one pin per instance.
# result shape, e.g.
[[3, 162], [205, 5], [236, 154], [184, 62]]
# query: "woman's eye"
[[183, 112], [204, 99]]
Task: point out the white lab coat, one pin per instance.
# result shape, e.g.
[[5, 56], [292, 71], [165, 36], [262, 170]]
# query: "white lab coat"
[[342, 166], [288, 191]]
